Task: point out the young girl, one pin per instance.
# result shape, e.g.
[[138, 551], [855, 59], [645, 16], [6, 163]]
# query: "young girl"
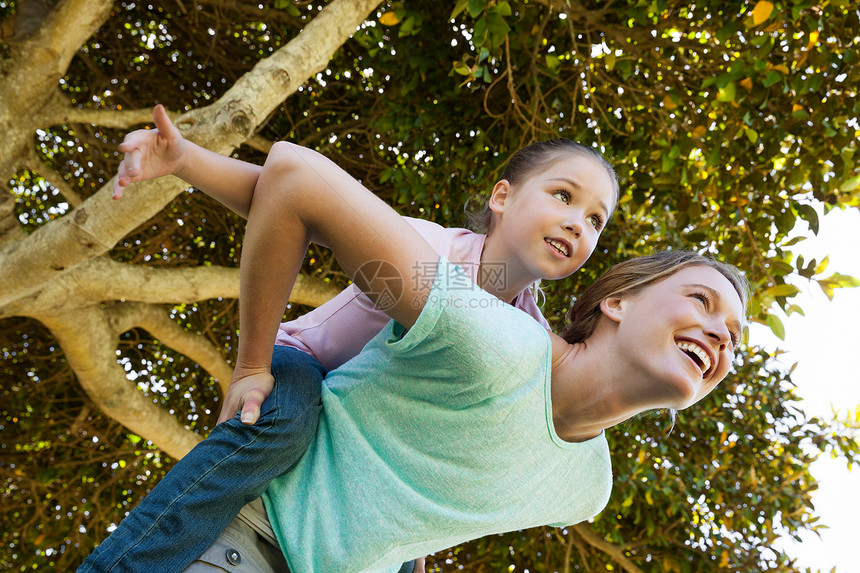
[[463, 417], [544, 218]]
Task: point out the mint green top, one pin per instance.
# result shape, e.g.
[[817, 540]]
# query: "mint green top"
[[434, 437]]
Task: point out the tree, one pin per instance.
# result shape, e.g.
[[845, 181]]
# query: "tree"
[[727, 124]]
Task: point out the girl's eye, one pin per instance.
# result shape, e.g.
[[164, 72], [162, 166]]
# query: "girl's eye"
[[736, 339], [562, 196], [596, 222]]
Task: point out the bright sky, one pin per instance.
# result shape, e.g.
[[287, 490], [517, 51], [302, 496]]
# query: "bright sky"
[[824, 343]]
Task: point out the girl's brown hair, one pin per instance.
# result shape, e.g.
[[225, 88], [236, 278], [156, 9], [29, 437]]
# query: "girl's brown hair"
[[532, 158], [632, 276]]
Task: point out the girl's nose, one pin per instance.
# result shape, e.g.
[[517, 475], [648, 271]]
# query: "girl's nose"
[[574, 227]]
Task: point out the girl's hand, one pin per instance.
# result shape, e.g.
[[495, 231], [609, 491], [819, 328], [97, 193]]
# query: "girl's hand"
[[248, 393], [150, 153], [419, 565]]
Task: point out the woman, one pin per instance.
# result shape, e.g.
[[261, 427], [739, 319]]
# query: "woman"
[[547, 189], [464, 417]]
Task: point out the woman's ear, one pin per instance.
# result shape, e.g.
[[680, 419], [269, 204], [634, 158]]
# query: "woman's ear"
[[613, 308], [500, 195]]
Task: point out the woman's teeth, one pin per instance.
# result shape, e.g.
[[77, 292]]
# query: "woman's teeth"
[[698, 351]]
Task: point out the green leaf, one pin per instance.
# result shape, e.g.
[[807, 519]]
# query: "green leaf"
[[850, 185], [503, 9], [610, 61], [793, 241], [782, 290], [776, 326], [407, 27], [480, 30], [771, 78], [810, 215], [792, 309], [476, 7], [727, 93], [458, 8], [498, 27], [836, 281], [751, 134]]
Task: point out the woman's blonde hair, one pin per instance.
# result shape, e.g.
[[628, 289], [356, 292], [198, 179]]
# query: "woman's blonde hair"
[[630, 277]]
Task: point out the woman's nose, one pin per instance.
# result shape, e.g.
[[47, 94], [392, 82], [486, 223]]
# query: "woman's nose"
[[719, 332]]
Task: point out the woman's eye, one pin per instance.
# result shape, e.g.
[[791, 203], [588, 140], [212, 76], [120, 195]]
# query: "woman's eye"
[[703, 298]]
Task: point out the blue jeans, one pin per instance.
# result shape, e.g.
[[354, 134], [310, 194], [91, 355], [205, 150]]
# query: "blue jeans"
[[197, 499]]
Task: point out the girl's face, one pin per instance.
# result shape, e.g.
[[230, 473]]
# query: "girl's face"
[[680, 333], [549, 223]]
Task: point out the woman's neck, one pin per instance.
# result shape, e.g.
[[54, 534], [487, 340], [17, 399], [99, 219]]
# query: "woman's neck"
[[590, 389]]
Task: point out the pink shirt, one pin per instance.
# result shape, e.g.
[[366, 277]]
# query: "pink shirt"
[[339, 329]]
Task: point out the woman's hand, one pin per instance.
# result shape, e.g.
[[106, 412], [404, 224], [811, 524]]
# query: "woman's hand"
[[150, 153]]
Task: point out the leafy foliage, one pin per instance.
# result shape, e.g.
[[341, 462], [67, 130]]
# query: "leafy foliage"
[[727, 123]]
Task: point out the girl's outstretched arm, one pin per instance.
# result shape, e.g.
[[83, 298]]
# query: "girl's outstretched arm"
[[153, 153], [301, 197]]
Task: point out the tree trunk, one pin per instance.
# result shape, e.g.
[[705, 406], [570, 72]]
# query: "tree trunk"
[[62, 275]]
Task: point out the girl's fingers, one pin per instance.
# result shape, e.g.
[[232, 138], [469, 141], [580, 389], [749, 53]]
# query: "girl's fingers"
[[136, 138], [163, 123], [132, 164], [117, 188], [127, 143], [120, 181], [251, 407]]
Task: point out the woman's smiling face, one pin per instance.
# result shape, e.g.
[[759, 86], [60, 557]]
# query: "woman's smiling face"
[[681, 333]]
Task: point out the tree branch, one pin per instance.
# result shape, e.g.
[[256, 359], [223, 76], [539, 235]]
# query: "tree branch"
[[260, 143], [56, 180], [614, 551], [120, 119], [10, 229], [67, 28], [95, 226], [89, 342], [154, 319], [109, 280], [88, 231]]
